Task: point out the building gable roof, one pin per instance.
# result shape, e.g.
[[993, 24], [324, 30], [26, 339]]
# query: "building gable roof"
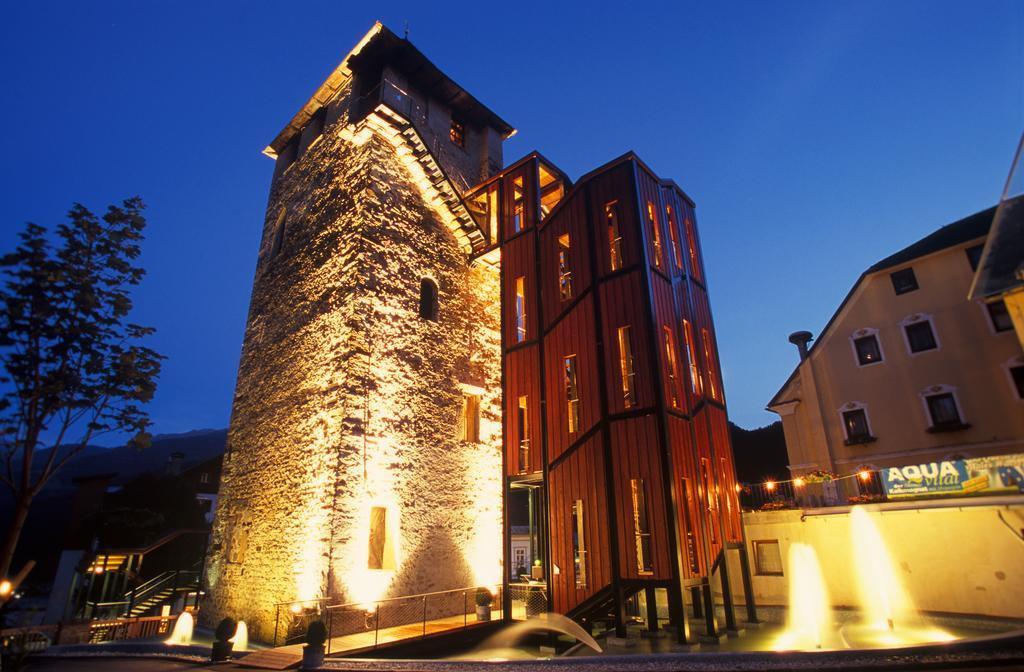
[[959, 232]]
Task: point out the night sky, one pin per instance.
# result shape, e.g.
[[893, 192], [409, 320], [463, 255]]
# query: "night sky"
[[816, 138]]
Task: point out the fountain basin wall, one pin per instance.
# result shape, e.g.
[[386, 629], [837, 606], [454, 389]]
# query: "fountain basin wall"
[[953, 556]]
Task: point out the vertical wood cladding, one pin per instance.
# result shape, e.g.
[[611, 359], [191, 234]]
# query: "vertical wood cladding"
[[680, 449]]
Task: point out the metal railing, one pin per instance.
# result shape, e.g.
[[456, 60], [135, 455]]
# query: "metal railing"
[[172, 581], [526, 600], [369, 625], [861, 487], [118, 629]]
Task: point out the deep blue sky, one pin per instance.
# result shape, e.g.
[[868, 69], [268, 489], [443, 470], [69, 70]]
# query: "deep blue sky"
[[815, 137]]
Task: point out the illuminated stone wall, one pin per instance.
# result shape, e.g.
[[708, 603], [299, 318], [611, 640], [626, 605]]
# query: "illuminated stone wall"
[[346, 399]]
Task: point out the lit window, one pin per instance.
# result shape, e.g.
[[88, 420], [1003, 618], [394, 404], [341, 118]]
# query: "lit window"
[[652, 219], [380, 549], [691, 244], [709, 357], [204, 477], [626, 367], [999, 315], [855, 423], [564, 268], [767, 558], [579, 546], [457, 133], [974, 255], [677, 253], [611, 215], [943, 410], [696, 383], [641, 527], [518, 204], [483, 206], [551, 189], [920, 337], [903, 281], [572, 394], [867, 349], [470, 424], [428, 299], [670, 362], [520, 309], [523, 428]]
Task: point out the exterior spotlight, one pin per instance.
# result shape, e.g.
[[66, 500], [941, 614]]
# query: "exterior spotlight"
[[798, 482], [864, 475], [769, 486], [738, 488], [98, 569], [5, 588], [296, 608]]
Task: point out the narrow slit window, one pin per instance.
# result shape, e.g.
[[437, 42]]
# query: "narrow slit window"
[[691, 357], [611, 215], [626, 367], [691, 245], [520, 309], [428, 300], [564, 268], [572, 395], [641, 527], [279, 230], [652, 220], [709, 357], [492, 212], [579, 545], [518, 204], [677, 252], [471, 418], [523, 431], [670, 362], [380, 555]]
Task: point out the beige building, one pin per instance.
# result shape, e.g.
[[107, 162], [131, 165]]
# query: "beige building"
[[907, 371]]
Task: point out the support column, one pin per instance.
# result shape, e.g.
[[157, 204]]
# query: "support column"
[[651, 596]]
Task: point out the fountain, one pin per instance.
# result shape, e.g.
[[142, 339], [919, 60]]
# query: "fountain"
[[182, 633], [241, 638], [808, 623], [501, 646]]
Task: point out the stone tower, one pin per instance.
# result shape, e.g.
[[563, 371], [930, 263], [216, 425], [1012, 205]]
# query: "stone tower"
[[364, 453]]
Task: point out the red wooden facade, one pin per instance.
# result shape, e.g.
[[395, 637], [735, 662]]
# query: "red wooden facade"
[[605, 279]]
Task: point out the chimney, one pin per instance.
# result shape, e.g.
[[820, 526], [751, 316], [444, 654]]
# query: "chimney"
[[174, 462], [800, 339]]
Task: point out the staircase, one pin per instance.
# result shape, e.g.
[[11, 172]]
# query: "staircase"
[[160, 590]]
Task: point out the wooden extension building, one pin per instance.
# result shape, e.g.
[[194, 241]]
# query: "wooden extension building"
[[616, 442]]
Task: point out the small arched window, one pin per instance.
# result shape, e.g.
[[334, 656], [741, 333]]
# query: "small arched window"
[[428, 299]]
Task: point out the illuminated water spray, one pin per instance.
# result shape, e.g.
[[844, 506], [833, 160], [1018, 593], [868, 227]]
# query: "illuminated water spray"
[[241, 638], [182, 633], [809, 619]]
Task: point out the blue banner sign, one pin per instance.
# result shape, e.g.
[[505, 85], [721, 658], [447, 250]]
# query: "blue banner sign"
[[999, 474]]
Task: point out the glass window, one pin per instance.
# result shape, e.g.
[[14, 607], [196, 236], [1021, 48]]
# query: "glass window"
[[564, 268], [691, 244], [903, 281], [677, 252], [611, 215], [518, 203], [471, 418], [856, 424], [626, 367], [552, 189], [920, 336], [691, 357], [709, 357], [999, 315], [767, 558], [572, 394], [380, 555], [943, 410], [652, 220], [428, 300], [579, 546], [670, 362], [641, 527], [483, 206], [867, 349], [457, 133], [520, 309], [974, 255], [523, 429]]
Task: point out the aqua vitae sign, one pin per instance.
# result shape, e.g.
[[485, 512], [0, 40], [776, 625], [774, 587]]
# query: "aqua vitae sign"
[[1000, 474]]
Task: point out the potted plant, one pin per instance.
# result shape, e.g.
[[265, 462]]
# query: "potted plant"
[[313, 651], [484, 599], [222, 644]]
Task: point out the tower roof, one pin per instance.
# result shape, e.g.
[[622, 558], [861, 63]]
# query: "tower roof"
[[379, 47]]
